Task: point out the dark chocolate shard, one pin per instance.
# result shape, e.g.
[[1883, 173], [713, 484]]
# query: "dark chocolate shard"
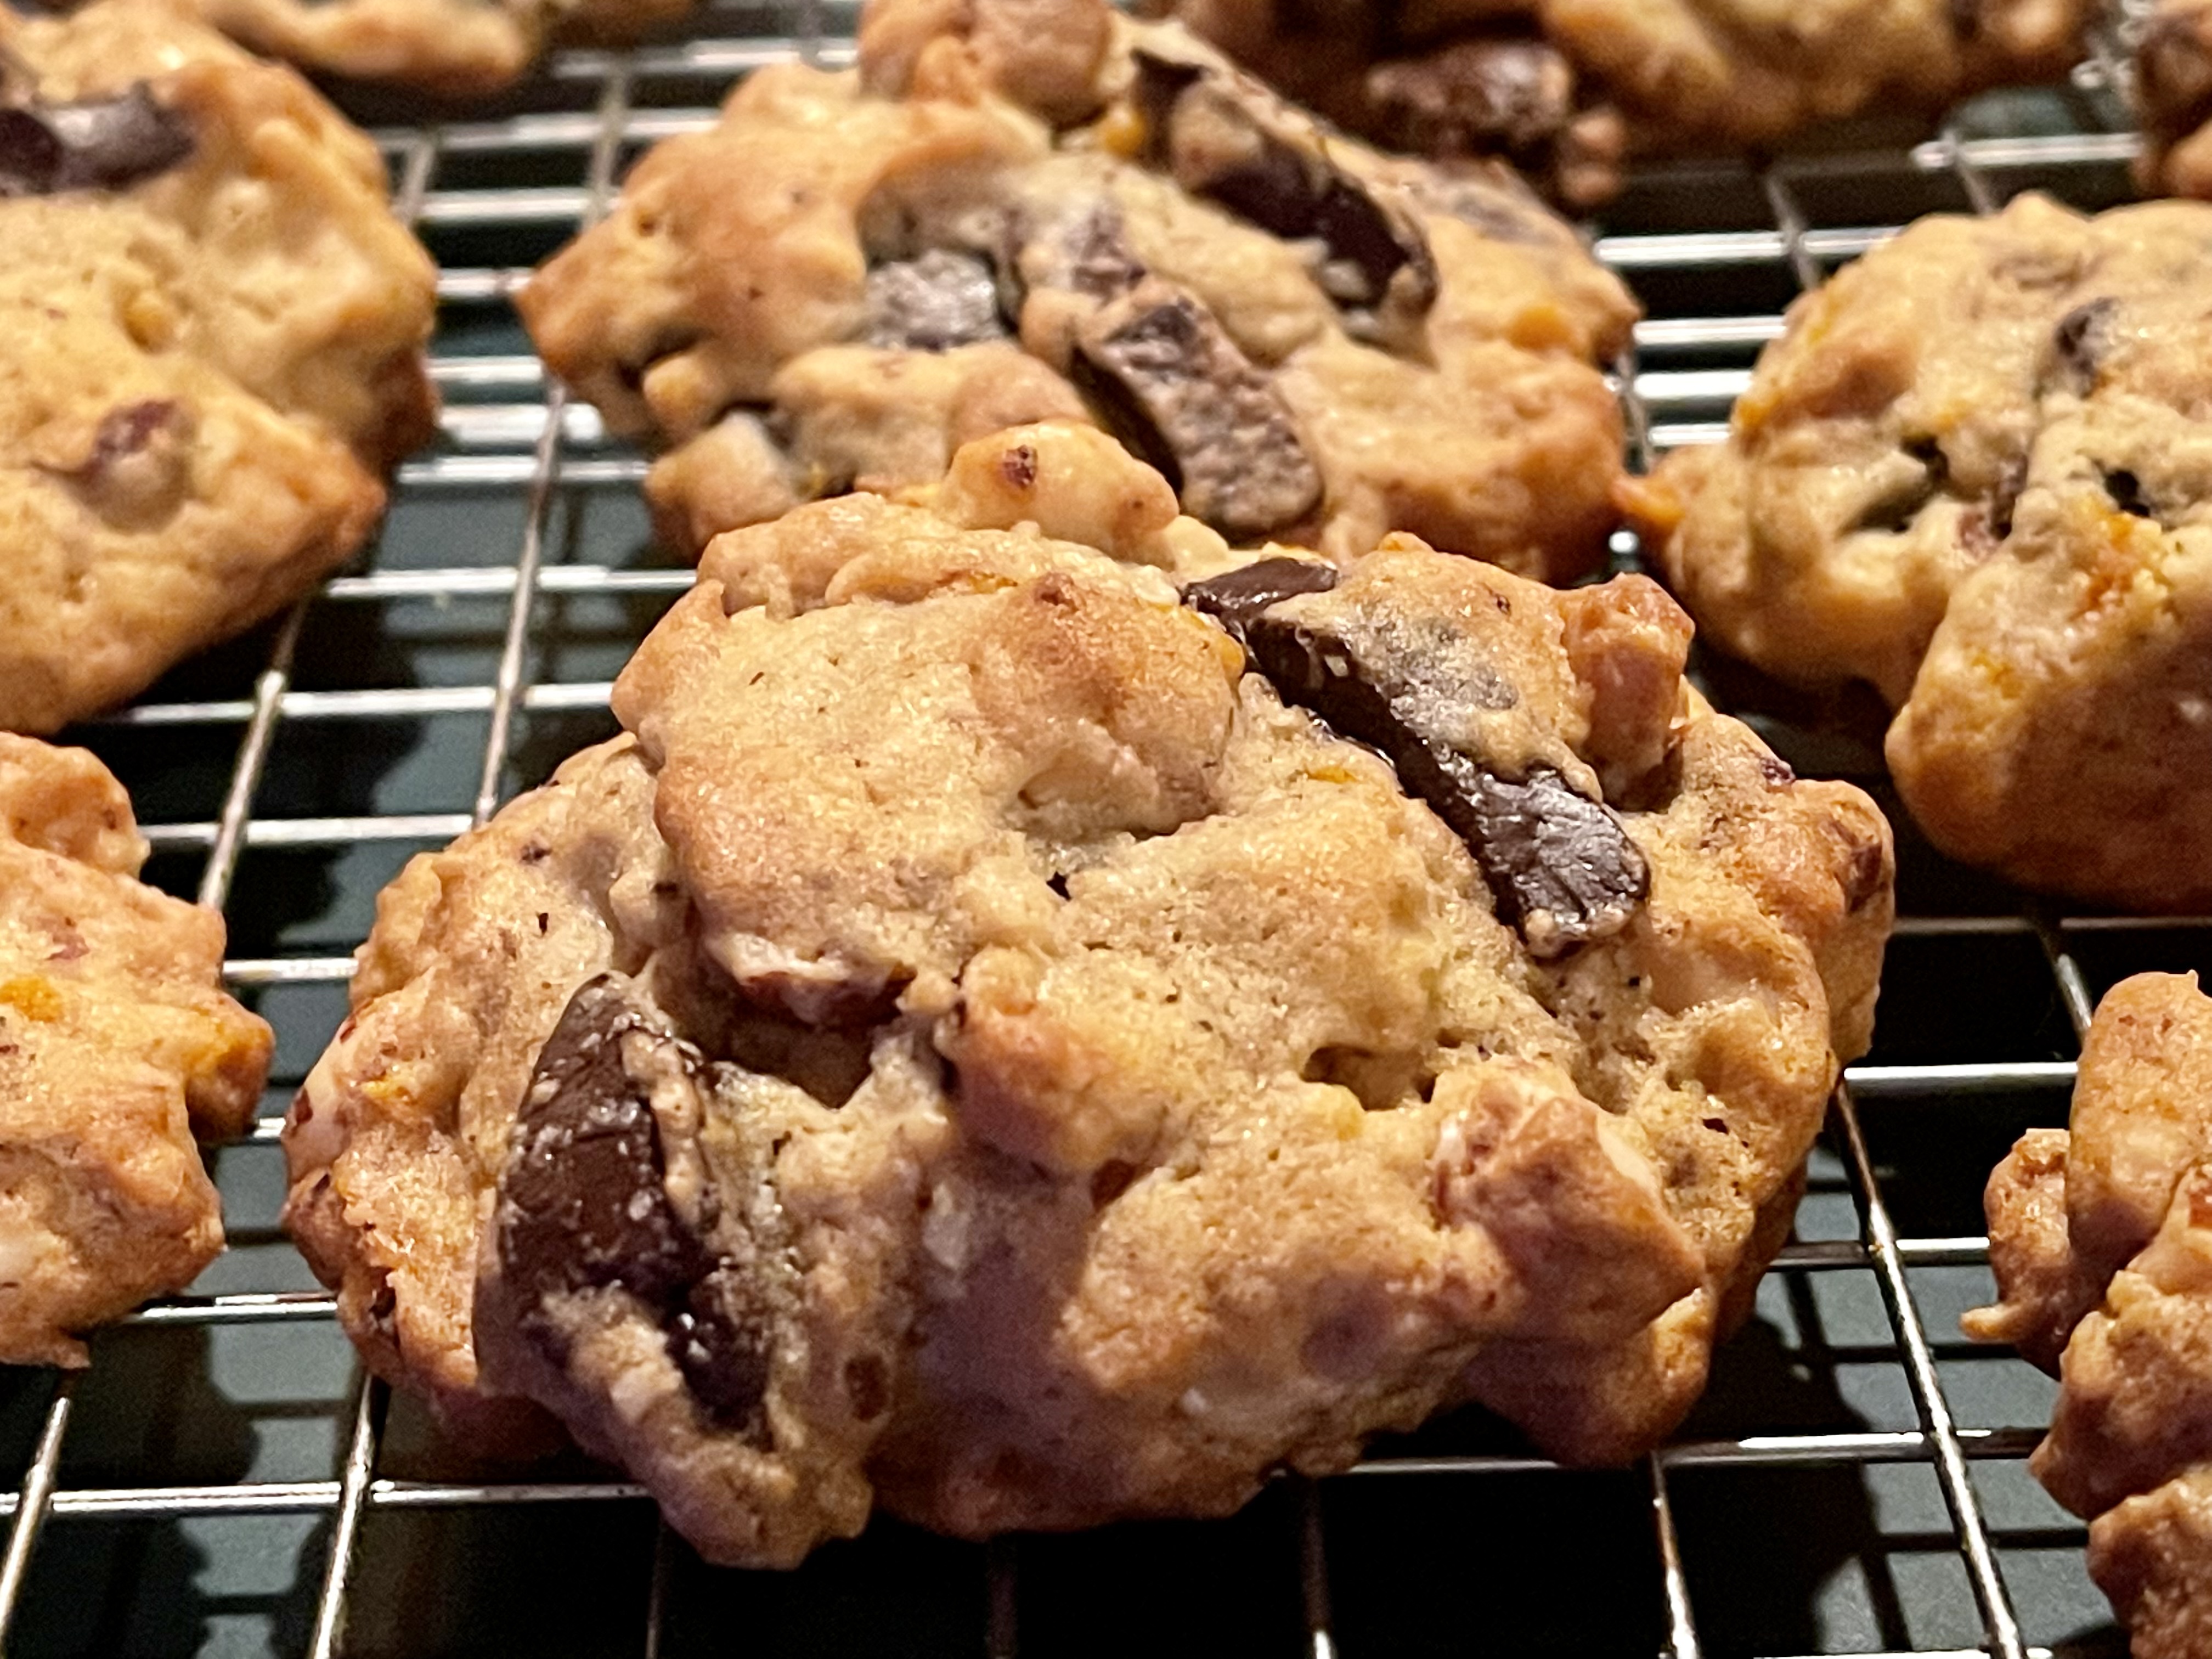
[[101, 144], [1224, 141], [584, 1205], [933, 303], [1173, 385], [1236, 597], [1483, 96], [2080, 340], [1560, 867], [721, 1341], [2127, 493]]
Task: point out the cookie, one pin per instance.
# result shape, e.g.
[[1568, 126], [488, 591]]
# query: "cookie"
[[1038, 1021], [211, 334], [2173, 99], [1567, 88], [116, 1043], [455, 48], [1973, 475], [1050, 213], [2098, 1238]]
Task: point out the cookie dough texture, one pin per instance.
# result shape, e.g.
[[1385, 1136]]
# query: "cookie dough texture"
[[1567, 88], [1055, 1076], [116, 1043], [1974, 474], [210, 350], [1011, 213], [2100, 1239], [453, 47]]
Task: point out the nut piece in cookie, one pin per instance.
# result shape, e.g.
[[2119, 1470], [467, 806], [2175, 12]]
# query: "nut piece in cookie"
[[211, 334], [1001, 1040], [117, 1046], [2113, 1264], [851, 275], [1966, 475]]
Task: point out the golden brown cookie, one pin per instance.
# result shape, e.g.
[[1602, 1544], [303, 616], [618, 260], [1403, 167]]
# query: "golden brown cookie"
[[1567, 88], [211, 334], [116, 1043], [852, 275], [1030, 1029], [2113, 1265], [456, 48], [1973, 473]]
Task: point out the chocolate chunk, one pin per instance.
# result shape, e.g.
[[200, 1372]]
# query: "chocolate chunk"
[[1175, 387], [1561, 868], [1222, 142], [584, 1205], [933, 303], [1475, 97], [104, 144], [1236, 597], [2127, 493], [721, 1340], [2082, 338]]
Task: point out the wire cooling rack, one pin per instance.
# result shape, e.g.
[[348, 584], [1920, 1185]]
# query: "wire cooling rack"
[[222, 1480]]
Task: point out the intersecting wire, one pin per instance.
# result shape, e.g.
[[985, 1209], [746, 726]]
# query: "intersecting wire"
[[554, 423]]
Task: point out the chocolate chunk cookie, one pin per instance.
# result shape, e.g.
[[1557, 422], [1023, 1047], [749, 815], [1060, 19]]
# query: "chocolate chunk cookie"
[[1012, 213], [1039, 1022], [1972, 475], [211, 334], [116, 1043], [2100, 1239], [1566, 88], [456, 48]]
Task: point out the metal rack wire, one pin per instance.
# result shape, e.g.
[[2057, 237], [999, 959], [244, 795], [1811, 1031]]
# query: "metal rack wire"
[[1854, 1482]]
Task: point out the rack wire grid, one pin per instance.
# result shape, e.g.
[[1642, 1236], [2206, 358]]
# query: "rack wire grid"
[[223, 1480]]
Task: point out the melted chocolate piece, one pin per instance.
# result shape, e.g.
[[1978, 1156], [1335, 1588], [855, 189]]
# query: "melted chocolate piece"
[[1173, 385], [933, 303], [1236, 598], [1560, 868], [1218, 142], [105, 144], [2082, 338], [584, 1205]]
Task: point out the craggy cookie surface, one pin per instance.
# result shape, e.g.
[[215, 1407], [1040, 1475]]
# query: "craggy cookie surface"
[[1019, 213], [449, 46], [116, 1042], [1976, 473], [2102, 1239], [1012, 1041], [211, 334], [1566, 87]]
